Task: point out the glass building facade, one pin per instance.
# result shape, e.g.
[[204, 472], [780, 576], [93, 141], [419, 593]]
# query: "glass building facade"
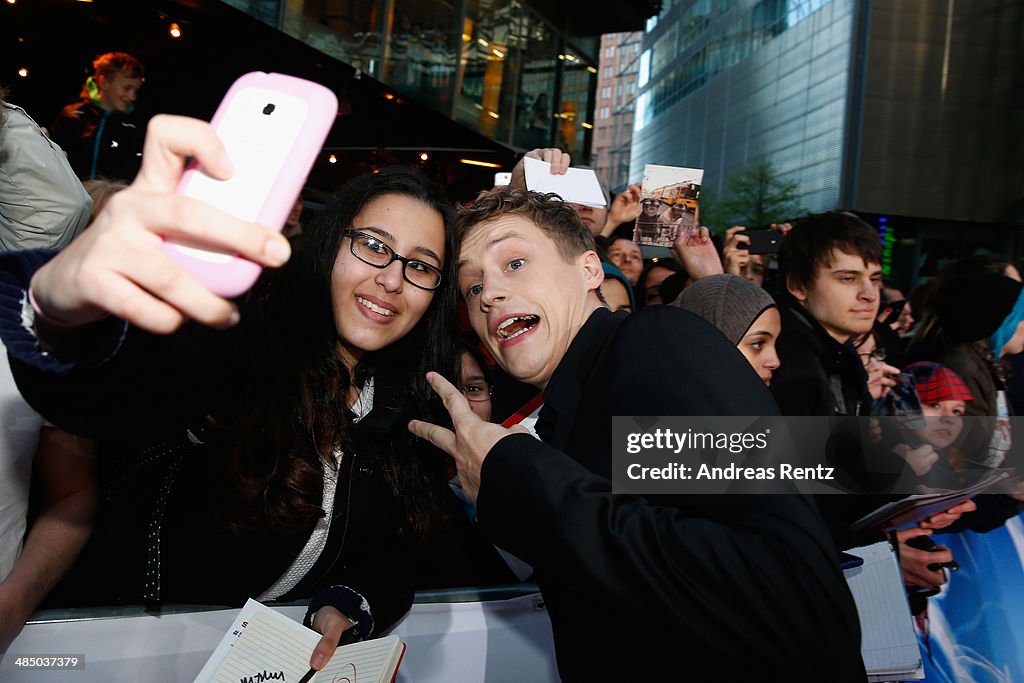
[[492, 65], [725, 84], [908, 113]]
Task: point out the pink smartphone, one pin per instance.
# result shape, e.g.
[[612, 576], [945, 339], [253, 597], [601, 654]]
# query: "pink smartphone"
[[273, 127]]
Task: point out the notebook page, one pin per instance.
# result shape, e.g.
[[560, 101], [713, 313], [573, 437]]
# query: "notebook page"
[[238, 627], [359, 662], [268, 650], [888, 640]]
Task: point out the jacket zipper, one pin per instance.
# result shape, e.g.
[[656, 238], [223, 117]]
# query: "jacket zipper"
[[96, 145], [344, 530]]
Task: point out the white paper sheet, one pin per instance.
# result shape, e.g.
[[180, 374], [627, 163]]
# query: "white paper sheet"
[[578, 185]]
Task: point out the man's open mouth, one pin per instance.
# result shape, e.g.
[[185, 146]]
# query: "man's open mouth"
[[511, 328]]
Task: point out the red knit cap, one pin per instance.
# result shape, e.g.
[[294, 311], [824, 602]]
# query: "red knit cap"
[[937, 383]]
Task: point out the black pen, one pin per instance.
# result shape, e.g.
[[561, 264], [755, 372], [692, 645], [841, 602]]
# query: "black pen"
[[952, 566], [309, 675]]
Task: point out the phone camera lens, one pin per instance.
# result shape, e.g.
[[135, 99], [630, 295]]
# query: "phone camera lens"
[[269, 109]]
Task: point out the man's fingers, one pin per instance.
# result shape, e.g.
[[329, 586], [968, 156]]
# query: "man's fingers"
[[454, 401], [435, 434]]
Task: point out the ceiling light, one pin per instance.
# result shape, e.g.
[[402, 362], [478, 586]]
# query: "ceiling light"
[[474, 162]]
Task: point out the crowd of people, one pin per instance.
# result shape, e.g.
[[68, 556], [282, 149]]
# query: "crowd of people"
[[419, 395]]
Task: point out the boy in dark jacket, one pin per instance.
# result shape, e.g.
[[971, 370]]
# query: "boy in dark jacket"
[[97, 132]]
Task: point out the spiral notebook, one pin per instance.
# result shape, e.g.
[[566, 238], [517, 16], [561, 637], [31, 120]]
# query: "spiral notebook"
[[264, 645]]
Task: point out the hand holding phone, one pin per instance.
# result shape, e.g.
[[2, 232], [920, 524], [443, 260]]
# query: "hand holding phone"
[[762, 241], [272, 126], [905, 403], [118, 266], [928, 544]]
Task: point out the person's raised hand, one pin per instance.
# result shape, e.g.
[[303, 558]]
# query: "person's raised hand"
[[734, 257], [624, 208], [331, 624], [558, 159], [117, 266], [920, 459], [882, 379], [874, 431], [471, 439], [694, 249]]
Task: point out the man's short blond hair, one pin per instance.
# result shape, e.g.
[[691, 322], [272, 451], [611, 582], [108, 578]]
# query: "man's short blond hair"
[[547, 211]]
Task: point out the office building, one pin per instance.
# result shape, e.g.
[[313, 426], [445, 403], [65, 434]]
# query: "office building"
[[613, 109], [906, 112]]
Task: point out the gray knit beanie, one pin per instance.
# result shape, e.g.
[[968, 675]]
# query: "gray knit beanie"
[[729, 302]]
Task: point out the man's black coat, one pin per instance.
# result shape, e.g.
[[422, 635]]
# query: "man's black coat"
[[653, 588]]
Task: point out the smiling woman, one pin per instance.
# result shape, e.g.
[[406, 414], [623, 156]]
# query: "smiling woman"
[[268, 460]]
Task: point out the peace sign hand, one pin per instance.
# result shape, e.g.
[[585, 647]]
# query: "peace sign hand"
[[472, 439]]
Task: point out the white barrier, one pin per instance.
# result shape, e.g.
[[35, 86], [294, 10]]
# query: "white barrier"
[[447, 641]]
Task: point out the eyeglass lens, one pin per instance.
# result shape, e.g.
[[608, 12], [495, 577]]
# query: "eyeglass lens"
[[369, 249]]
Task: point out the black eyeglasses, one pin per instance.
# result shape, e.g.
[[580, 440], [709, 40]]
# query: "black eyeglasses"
[[876, 356], [478, 391], [373, 251]]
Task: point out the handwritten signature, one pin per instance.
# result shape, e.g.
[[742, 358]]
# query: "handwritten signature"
[[263, 676]]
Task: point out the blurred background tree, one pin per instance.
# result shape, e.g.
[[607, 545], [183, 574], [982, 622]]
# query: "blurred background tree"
[[754, 197]]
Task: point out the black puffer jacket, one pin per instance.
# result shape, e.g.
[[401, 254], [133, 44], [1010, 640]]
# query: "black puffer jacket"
[[818, 375], [99, 143]]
